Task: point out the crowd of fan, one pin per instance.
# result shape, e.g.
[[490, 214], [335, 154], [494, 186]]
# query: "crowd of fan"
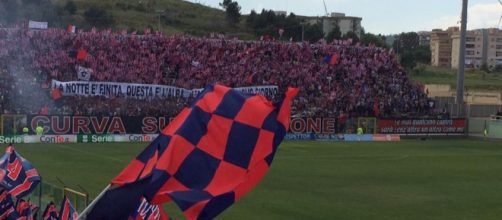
[[364, 80]]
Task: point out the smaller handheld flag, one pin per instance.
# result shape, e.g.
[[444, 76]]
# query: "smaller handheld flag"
[[50, 212], [67, 211], [7, 211], [56, 93], [25, 210], [82, 54]]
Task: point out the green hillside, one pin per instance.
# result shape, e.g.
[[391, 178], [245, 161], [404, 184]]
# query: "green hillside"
[[474, 79], [172, 16]]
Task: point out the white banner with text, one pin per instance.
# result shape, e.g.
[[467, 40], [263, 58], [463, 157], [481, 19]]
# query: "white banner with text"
[[141, 91]]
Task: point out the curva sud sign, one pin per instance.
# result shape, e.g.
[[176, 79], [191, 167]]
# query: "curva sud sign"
[[61, 125], [422, 126]]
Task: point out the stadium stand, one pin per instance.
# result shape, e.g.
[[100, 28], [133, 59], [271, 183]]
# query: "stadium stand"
[[363, 80]]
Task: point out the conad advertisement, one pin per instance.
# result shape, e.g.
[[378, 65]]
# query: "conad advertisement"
[[422, 126], [92, 138]]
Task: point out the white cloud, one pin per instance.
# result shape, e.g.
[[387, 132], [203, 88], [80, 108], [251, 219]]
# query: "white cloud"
[[478, 16]]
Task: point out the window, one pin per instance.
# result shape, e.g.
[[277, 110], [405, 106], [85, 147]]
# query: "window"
[[498, 54], [499, 47], [499, 40], [469, 52], [469, 46], [470, 39]]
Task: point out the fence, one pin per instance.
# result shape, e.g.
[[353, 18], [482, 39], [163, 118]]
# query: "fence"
[[47, 192]]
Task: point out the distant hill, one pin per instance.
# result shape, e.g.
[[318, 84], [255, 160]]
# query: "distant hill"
[[172, 16]]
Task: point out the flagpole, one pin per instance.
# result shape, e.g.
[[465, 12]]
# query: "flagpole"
[[83, 215], [40, 198]]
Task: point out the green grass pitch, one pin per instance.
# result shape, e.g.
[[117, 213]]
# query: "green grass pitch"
[[411, 179]]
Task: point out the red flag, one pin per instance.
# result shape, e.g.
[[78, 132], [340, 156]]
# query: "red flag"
[[67, 212], [50, 212], [44, 110], [56, 94], [82, 54], [376, 108], [334, 60]]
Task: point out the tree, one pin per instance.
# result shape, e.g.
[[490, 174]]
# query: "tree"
[[369, 38], [351, 35], [314, 32], [98, 17], [334, 34], [422, 54], [408, 60], [251, 17], [233, 11], [71, 7], [407, 42], [225, 3]]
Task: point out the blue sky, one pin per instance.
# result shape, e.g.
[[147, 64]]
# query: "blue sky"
[[387, 16]]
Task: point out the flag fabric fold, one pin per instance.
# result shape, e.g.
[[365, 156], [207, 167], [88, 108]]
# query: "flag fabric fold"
[[17, 175], [210, 155]]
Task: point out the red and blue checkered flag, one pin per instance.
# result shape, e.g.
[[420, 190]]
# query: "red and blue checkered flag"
[[207, 158], [17, 175], [67, 212], [7, 210], [50, 212]]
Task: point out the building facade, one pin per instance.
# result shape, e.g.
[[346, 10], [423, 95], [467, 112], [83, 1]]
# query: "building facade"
[[441, 47], [483, 48], [345, 23], [475, 49]]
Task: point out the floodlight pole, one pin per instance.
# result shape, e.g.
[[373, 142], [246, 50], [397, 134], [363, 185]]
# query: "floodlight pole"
[[461, 56]]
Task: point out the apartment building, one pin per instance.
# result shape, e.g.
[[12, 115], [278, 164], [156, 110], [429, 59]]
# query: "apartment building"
[[345, 23], [482, 47], [441, 47], [475, 48]]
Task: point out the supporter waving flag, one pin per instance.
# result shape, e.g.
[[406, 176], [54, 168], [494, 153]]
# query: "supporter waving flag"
[[209, 156], [17, 175], [67, 212], [50, 212], [7, 211]]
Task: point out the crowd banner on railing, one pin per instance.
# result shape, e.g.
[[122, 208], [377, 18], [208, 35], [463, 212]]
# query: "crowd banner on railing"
[[422, 126], [38, 25], [141, 91]]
